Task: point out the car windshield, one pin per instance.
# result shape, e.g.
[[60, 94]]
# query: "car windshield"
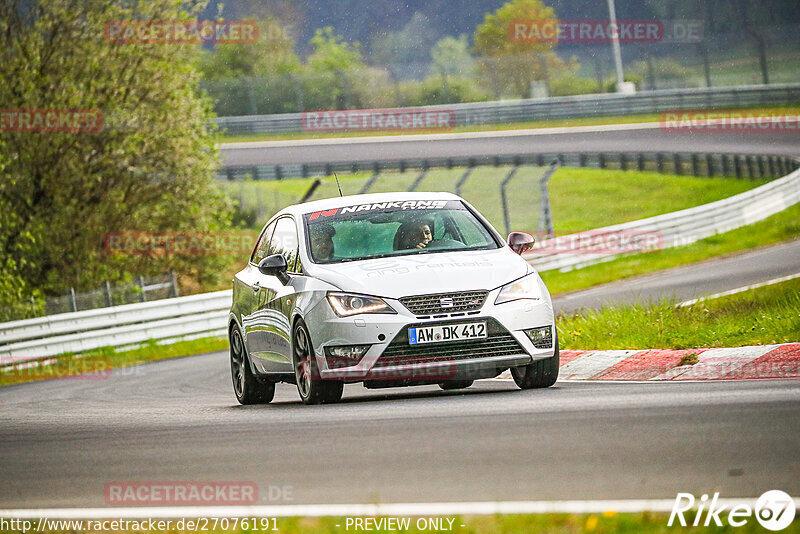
[[396, 228]]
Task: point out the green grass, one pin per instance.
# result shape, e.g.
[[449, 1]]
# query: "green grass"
[[605, 523], [780, 227], [581, 199], [105, 359], [542, 123], [760, 316]]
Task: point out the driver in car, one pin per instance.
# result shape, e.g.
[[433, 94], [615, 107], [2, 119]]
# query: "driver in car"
[[322, 241], [415, 234]]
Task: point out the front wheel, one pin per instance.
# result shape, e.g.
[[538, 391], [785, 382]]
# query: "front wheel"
[[539, 373], [247, 387], [312, 389]]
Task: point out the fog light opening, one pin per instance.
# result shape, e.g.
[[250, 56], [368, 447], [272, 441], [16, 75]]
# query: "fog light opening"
[[541, 337]]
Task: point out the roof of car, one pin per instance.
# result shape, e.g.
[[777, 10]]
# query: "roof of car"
[[350, 200]]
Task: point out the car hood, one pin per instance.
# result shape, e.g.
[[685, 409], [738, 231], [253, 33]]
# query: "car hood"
[[421, 274]]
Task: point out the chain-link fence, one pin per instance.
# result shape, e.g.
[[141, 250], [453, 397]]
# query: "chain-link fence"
[[138, 290]]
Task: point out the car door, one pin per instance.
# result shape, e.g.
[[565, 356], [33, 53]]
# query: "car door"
[[268, 336], [246, 291]]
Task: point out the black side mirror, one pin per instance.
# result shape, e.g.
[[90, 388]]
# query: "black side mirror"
[[520, 242], [275, 265]]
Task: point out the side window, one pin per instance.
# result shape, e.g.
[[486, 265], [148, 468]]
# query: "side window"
[[284, 241], [262, 248]]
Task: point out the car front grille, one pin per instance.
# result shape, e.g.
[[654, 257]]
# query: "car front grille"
[[421, 305], [499, 342]]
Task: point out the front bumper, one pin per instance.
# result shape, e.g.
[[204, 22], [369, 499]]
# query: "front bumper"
[[391, 358]]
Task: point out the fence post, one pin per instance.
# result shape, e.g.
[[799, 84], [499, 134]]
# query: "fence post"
[[370, 182], [174, 281], [506, 217], [419, 179], [463, 180], [107, 293], [545, 214], [72, 301], [142, 297]]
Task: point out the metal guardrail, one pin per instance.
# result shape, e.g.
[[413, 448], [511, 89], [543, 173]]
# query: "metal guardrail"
[[606, 104], [118, 326], [680, 163], [673, 229]]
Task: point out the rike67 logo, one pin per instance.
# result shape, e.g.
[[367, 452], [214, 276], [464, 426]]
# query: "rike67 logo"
[[774, 510]]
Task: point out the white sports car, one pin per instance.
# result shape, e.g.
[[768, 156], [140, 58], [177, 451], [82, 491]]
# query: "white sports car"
[[392, 289]]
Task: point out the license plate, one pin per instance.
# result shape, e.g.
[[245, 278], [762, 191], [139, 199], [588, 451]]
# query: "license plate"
[[446, 332]]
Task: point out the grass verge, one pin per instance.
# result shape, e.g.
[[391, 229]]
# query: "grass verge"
[[545, 123], [760, 316], [581, 199], [101, 363], [783, 226]]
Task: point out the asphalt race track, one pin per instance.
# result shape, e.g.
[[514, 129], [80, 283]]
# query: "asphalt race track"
[[177, 420], [690, 281], [616, 138]]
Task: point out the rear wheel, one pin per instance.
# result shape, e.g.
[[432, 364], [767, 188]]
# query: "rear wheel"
[[247, 387], [539, 373], [312, 389], [455, 384]]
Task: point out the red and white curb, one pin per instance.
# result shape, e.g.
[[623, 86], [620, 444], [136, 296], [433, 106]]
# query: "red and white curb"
[[735, 363]]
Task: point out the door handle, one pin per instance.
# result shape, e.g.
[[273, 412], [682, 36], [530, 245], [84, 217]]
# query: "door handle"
[[256, 287]]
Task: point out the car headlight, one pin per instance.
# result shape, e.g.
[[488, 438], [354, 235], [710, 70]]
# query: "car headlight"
[[526, 287], [345, 304]]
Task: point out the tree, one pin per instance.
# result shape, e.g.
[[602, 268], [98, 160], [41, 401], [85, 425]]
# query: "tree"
[[149, 169], [451, 57], [337, 77], [272, 54], [506, 65]]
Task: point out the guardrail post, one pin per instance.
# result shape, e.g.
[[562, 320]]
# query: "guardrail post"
[[750, 171], [142, 297], [73, 303], [601, 160], [660, 163], [726, 168], [107, 293], [676, 163], [709, 165], [640, 161], [545, 214], [463, 180], [695, 165], [503, 184], [761, 167], [174, 282], [771, 161], [623, 165], [737, 163]]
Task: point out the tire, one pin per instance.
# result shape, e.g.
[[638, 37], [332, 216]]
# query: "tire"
[[312, 389], [246, 386], [538, 374], [455, 384]]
